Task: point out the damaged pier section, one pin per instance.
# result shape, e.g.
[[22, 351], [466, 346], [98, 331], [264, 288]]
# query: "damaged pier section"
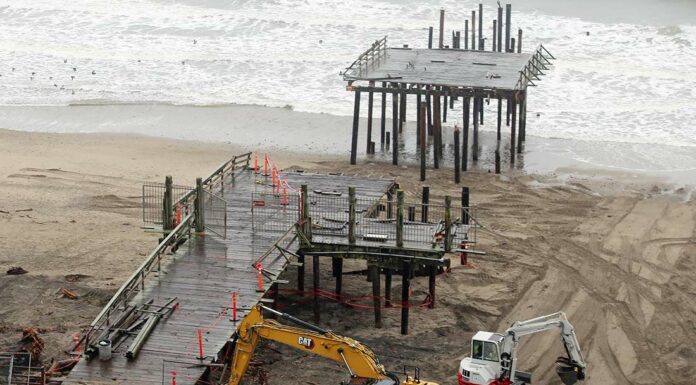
[[228, 240], [436, 79]]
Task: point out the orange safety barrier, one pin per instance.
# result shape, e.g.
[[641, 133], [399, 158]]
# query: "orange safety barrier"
[[173, 377], [200, 344], [259, 267], [234, 306]]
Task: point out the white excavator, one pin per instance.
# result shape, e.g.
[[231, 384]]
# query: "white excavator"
[[493, 358]]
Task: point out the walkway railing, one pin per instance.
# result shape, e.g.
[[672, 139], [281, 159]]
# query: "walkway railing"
[[531, 71], [366, 60]]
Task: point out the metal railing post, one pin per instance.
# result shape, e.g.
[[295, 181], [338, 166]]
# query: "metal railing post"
[[306, 220], [400, 218], [351, 215], [448, 223], [200, 219]]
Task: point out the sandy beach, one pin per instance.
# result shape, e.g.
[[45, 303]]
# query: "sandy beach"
[[610, 249]]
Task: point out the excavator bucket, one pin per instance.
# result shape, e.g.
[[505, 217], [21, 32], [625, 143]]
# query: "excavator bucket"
[[567, 373]]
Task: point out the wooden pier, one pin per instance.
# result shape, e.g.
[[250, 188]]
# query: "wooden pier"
[[228, 241], [437, 78]]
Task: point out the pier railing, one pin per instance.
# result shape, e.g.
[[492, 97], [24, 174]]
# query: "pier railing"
[[136, 282], [531, 71], [367, 60]]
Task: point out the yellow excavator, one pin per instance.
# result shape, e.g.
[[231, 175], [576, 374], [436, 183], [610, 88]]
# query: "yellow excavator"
[[362, 364]]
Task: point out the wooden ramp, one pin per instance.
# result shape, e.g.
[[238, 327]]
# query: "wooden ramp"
[[202, 275]]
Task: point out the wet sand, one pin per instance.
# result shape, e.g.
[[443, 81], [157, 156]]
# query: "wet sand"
[[610, 249]]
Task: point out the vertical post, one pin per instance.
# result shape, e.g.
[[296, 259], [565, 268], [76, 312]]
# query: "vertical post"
[[500, 29], [200, 216], [500, 116], [508, 15], [513, 110], [448, 223], [402, 111], [300, 271], [167, 203], [418, 119], [495, 36], [512, 44], [387, 287], [465, 205], [519, 40], [370, 100], [356, 123], [425, 200], [315, 287], [520, 123], [523, 128], [442, 29], [497, 159], [429, 106], [376, 300], [432, 271], [395, 128], [457, 169], [305, 218], [338, 273], [430, 37], [383, 122], [473, 30], [480, 26], [444, 107], [475, 119], [466, 34], [507, 118], [405, 289], [465, 140], [411, 213], [421, 135], [390, 203], [400, 218], [351, 215], [480, 99], [436, 130]]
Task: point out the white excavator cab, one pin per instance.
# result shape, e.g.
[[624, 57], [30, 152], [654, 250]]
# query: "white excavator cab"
[[483, 366]]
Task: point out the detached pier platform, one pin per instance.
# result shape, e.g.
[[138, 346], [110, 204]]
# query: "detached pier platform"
[[228, 241]]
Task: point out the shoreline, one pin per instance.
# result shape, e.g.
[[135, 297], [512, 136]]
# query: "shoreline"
[[328, 136]]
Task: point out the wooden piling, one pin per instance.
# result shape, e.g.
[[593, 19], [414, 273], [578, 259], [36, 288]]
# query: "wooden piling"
[[370, 101], [337, 264], [457, 168], [400, 218], [418, 119], [480, 26], [429, 106], [519, 40], [300, 271], [383, 122], [507, 118], [315, 287], [448, 224], [508, 16], [500, 29], [444, 107], [167, 204], [497, 159], [512, 130], [500, 116], [425, 200], [351, 215], [523, 127], [512, 44], [465, 140], [422, 140], [473, 30], [411, 214], [466, 34], [430, 37], [475, 134], [390, 204], [356, 123], [395, 128], [376, 300], [388, 139], [480, 110], [495, 36], [436, 130], [520, 123], [432, 272], [387, 287], [442, 29], [198, 204], [405, 290], [402, 111]]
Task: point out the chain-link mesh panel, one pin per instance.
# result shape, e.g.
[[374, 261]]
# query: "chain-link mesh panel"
[[215, 214], [274, 213], [153, 196], [17, 369]]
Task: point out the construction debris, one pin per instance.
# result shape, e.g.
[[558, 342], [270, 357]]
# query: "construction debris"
[[16, 270], [67, 293], [30, 343]]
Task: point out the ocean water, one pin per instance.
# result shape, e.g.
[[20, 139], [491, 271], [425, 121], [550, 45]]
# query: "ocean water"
[[632, 80]]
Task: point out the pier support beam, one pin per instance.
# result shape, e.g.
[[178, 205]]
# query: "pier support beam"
[[432, 272], [475, 119], [377, 302], [500, 116], [465, 140], [457, 170], [513, 129], [395, 128], [383, 122], [315, 287], [405, 289], [422, 139], [520, 126], [356, 124], [437, 130], [370, 101], [388, 287], [338, 273], [300, 271]]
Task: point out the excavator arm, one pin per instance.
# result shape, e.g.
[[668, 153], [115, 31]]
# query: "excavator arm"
[[358, 359]]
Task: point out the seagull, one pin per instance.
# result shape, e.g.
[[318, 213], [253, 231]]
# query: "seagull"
[[94, 72]]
